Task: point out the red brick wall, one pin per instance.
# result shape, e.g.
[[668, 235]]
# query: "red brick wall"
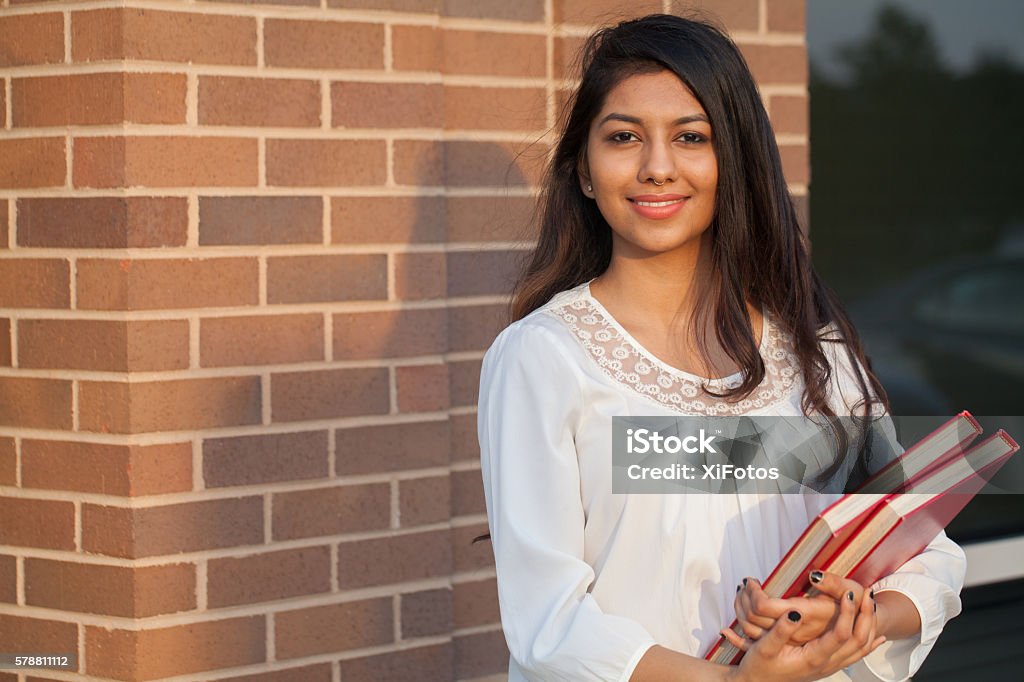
[[250, 257]]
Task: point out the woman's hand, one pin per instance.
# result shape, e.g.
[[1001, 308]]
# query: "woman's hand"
[[773, 658], [756, 612]]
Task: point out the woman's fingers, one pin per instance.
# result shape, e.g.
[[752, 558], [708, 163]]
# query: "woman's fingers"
[[834, 585], [824, 648], [735, 640], [777, 637], [755, 610], [863, 639]]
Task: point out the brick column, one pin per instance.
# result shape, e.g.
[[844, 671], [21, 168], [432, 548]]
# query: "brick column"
[[250, 258]]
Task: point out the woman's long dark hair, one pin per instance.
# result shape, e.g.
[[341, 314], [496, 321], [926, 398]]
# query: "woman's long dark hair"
[[758, 252], [757, 248]]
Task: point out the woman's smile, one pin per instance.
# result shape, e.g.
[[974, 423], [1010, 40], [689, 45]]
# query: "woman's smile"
[[658, 206]]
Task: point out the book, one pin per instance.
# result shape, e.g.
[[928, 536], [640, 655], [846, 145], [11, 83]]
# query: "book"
[[891, 517]]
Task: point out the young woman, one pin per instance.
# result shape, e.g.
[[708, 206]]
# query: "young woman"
[[670, 278]]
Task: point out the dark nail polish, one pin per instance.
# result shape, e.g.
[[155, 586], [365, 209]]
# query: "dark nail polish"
[[872, 594], [744, 582], [794, 616], [738, 588], [849, 595], [876, 608], [817, 577]]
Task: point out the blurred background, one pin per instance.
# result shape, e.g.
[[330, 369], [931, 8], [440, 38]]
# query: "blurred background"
[[917, 223]]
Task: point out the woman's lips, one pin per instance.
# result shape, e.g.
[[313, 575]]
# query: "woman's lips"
[[657, 206]]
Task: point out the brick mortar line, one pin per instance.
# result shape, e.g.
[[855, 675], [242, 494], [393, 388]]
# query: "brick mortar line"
[[240, 552], [775, 90], [390, 268], [328, 322], [76, 387], [333, 658], [762, 16], [462, 411], [8, 122], [228, 493], [69, 159], [19, 580], [334, 567], [549, 65], [191, 100], [66, 23], [397, 77], [17, 459], [460, 356], [169, 68], [392, 391], [261, 59], [394, 504], [193, 343], [262, 278], [387, 47], [198, 480], [192, 228], [130, 131], [12, 222], [251, 12], [202, 597], [268, 518], [133, 624], [267, 409], [164, 67], [234, 372], [476, 630], [261, 162], [326, 233], [338, 307], [792, 139], [325, 103], [465, 465], [271, 652], [396, 618], [206, 253], [72, 279], [389, 163], [473, 576], [13, 340], [171, 437], [335, 671], [82, 663], [78, 524], [495, 191]]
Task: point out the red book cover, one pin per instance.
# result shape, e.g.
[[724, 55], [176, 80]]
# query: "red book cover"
[[789, 578]]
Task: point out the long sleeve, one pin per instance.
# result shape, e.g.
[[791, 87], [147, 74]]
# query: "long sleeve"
[[530, 399], [932, 580]]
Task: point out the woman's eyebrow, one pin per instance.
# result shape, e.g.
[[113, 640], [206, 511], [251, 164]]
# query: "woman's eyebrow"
[[637, 121]]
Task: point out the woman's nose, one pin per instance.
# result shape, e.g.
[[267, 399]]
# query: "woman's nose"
[[657, 164]]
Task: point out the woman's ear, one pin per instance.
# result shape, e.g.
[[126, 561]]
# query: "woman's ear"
[[583, 174]]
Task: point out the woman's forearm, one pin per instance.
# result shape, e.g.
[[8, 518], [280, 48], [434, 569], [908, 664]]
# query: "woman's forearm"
[[897, 617], [660, 664]]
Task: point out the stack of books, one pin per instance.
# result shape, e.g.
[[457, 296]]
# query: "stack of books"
[[868, 534]]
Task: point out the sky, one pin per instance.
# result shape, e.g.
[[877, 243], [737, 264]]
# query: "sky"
[[961, 27]]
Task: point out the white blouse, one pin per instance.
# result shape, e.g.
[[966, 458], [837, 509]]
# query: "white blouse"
[[588, 580]]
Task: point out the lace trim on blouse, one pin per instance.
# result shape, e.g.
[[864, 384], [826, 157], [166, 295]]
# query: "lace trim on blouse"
[[629, 364]]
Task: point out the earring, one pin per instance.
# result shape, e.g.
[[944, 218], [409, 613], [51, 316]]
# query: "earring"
[[590, 188]]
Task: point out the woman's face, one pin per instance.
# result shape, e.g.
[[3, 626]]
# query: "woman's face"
[[651, 166]]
